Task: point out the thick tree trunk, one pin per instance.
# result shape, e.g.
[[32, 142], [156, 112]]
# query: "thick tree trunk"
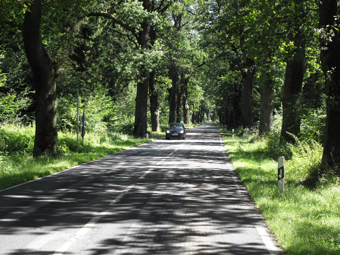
[[179, 92], [46, 135], [153, 92], [143, 84], [172, 101], [193, 115], [154, 103], [231, 116], [295, 71], [141, 106], [180, 98], [330, 59], [186, 116], [267, 93], [247, 96], [233, 107]]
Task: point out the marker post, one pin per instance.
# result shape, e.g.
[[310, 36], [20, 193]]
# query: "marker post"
[[281, 175], [83, 124]]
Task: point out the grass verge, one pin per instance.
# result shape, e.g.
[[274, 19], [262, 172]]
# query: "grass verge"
[[17, 164], [16, 144], [304, 220]]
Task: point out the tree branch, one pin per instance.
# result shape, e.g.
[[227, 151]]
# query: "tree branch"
[[127, 36], [111, 17], [201, 64], [164, 9]]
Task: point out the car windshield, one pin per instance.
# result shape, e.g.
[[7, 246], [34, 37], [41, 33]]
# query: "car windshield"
[[175, 126]]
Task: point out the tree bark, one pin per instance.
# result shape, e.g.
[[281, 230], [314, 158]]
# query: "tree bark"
[[141, 106], [247, 95], [295, 71], [154, 103], [179, 97], [193, 115], [153, 92], [172, 101], [186, 116], [143, 84], [267, 93], [46, 135], [330, 59]]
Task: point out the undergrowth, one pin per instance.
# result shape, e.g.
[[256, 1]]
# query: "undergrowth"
[[306, 219], [17, 164]]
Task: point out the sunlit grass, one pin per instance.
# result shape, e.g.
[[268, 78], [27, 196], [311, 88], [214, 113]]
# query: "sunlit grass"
[[16, 144], [17, 165], [305, 221]]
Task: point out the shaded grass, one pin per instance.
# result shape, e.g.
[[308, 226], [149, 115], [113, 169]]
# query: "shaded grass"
[[304, 221], [16, 144], [18, 166]]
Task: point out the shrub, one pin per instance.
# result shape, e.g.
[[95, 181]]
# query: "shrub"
[[313, 125], [16, 139], [274, 149], [306, 158], [99, 112], [67, 143], [249, 132], [12, 103]]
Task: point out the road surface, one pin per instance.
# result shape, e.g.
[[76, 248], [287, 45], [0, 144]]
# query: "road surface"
[[165, 197]]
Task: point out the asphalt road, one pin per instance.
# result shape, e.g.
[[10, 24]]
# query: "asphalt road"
[[165, 197]]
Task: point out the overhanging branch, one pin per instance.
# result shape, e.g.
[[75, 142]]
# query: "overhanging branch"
[[111, 17]]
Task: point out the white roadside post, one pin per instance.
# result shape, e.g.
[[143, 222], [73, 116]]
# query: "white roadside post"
[[233, 134], [281, 175]]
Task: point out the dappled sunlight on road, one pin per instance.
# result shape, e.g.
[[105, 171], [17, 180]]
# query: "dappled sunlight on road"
[[164, 197]]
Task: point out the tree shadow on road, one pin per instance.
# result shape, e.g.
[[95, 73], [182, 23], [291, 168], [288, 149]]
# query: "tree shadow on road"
[[191, 203]]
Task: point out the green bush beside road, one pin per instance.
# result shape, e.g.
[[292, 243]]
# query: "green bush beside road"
[[17, 164], [306, 219]]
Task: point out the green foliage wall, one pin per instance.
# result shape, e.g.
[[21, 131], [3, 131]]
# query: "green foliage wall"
[[209, 41]]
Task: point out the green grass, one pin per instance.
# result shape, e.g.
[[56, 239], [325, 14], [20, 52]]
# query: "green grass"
[[17, 164], [16, 144], [304, 220]]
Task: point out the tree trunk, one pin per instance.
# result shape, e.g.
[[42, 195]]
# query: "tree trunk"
[[178, 103], [295, 71], [153, 92], [141, 106], [143, 84], [174, 78], [179, 99], [185, 106], [193, 118], [267, 93], [154, 103], [330, 59], [231, 115], [247, 96], [46, 135]]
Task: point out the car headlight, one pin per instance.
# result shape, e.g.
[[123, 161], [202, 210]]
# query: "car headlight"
[[182, 131], [168, 131]]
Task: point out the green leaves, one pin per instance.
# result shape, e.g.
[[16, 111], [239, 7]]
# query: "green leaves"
[[11, 103]]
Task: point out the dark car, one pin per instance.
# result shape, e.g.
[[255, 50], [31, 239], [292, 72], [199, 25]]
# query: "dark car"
[[176, 130]]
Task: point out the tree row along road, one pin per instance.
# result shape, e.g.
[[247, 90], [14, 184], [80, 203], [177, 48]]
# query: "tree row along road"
[[164, 197]]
